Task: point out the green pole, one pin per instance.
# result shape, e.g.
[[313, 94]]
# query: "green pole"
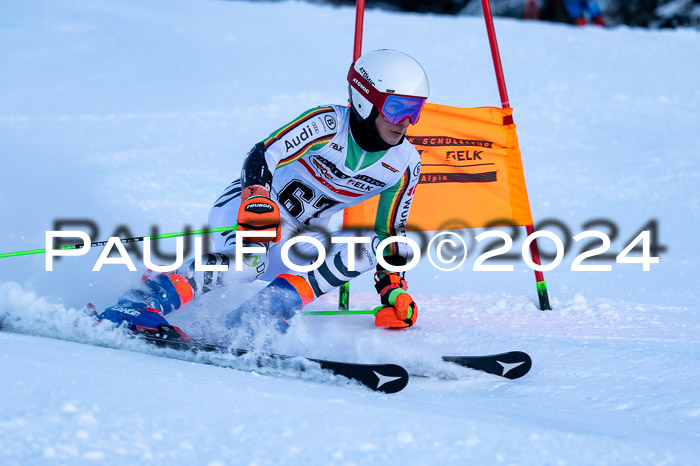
[[344, 297], [341, 313], [125, 240]]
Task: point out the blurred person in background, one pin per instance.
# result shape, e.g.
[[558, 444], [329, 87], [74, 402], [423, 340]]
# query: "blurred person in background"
[[579, 9]]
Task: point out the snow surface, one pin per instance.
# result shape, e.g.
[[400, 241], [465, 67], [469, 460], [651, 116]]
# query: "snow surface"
[[137, 114]]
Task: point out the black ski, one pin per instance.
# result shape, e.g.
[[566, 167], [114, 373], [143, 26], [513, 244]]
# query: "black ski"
[[511, 365], [386, 378]]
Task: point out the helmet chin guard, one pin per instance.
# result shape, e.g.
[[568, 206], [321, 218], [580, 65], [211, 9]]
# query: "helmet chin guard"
[[392, 81]]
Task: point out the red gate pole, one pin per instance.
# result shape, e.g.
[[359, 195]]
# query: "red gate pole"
[[359, 21], [344, 290], [495, 54]]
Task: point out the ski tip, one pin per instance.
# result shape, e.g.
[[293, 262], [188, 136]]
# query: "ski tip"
[[515, 365], [390, 378], [385, 378], [511, 365]]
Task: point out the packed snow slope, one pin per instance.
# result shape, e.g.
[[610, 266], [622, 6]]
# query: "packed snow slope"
[[137, 114]]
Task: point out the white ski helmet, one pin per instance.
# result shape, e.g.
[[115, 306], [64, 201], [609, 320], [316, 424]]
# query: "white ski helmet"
[[381, 78]]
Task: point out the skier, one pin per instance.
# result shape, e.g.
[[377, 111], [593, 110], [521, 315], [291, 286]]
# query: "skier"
[[291, 183]]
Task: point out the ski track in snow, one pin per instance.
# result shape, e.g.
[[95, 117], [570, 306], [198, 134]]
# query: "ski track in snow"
[[137, 115]]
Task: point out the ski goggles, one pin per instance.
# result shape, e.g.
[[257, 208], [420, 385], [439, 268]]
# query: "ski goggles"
[[394, 107]]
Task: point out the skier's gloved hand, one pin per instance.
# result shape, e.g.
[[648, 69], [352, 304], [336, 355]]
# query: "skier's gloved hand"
[[400, 310], [259, 213]]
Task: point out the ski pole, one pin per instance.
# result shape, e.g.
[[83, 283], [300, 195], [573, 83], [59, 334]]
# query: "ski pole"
[[124, 241], [342, 313]]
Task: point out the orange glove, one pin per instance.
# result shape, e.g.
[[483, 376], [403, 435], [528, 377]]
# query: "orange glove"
[[399, 309], [259, 213]]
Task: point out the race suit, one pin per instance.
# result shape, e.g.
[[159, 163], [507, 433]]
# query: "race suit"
[[314, 168]]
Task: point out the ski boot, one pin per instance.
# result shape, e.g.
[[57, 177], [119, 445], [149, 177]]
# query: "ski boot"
[[142, 319], [279, 302], [143, 311]]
